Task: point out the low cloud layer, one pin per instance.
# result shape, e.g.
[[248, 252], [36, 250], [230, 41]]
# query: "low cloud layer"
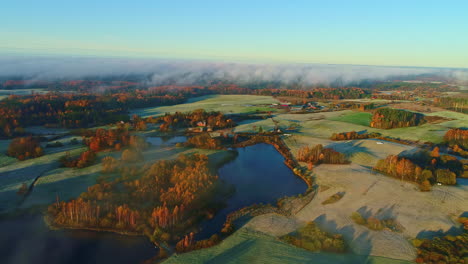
[[185, 72]]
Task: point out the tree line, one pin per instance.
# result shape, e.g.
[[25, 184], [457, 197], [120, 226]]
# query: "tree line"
[[423, 168], [354, 135], [387, 118], [72, 110], [458, 104], [196, 118]]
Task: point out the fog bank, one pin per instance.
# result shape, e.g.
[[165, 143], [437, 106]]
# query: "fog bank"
[[185, 72]]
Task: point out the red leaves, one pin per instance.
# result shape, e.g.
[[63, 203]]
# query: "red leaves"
[[24, 148]]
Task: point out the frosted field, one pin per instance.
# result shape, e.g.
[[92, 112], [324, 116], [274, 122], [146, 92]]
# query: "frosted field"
[[323, 125], [224, 103], [250, 246], [377, 194], [365, 152]]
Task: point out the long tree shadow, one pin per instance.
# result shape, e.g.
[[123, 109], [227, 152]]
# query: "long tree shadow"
[[25, 174], [382, 213], [349, 234], [350, 148], [453, 231], [234, 252]]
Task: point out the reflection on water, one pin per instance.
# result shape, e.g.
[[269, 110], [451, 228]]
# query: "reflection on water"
[[26, 239], [259, 176], [166, 141]]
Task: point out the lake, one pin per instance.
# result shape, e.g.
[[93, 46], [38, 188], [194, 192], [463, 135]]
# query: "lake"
[[165, 141], [27, 239], [258, 174]]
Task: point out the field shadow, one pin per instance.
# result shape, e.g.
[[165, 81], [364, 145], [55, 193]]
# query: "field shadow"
[[66, 148], [349, 148], [350, 236], [199, 98], [238, 250], [453, 231], [386, 212], [24, 174], [429, 234]]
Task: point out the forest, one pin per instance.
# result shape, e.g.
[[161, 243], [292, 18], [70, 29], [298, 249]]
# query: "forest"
[[457, 137], [318, 155], [204, 141], [72, 110], [387, 118], [88, 108], [458, 104], [163, 201], [196, 118], [423, 168], [444, 249]]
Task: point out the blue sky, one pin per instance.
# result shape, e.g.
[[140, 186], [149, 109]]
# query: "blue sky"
[[407, 33]]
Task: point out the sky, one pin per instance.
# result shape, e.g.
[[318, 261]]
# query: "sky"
[[400, 33]]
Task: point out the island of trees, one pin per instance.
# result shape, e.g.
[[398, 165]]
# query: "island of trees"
[[318, 154], [310, 237], [25, 148], [164, 201], [387, 118]]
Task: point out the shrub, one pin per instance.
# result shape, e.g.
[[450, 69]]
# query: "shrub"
[[445, 176], [24, 148], [358, 219], [334, 198], [312, 238], [131, 155]]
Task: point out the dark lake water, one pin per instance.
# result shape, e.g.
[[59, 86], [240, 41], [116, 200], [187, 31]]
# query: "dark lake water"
[[258, 175], [165, 141], [26, 239]]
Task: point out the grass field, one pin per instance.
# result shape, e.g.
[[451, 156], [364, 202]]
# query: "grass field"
[[460, 119], [224, 103], [247, 246], [68, 183], [323, 125], [358, 118]]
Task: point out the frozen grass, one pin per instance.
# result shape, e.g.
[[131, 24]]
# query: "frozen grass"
[[68, 183], [323, 125], [40, 130], [224, 103], [4, 159], [19, 172], [373, 193], [246, 246], [367, 152]]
